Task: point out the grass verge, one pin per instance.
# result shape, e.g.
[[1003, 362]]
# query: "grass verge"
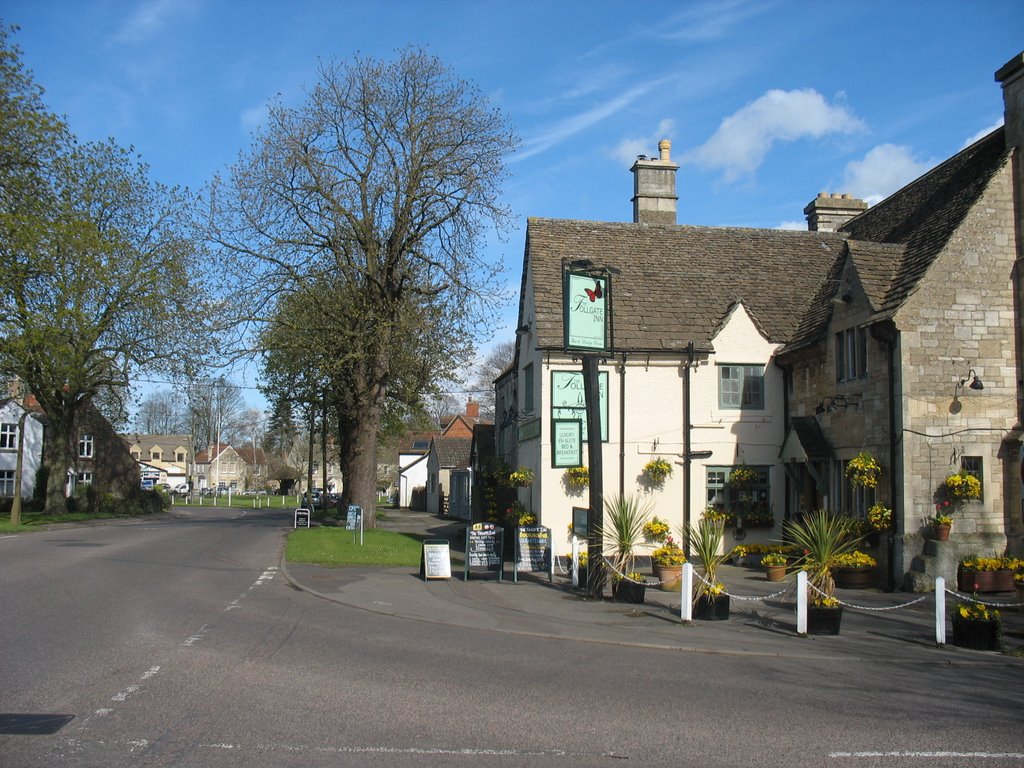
[[334, 547]]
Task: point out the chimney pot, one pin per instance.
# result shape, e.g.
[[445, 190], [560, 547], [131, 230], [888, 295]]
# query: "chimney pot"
[[664, 147]]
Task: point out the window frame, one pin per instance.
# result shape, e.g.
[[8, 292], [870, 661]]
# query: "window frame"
[[8, 436], [977, 470], [747, 371], [86, 446], [7, 478], [719, 492]]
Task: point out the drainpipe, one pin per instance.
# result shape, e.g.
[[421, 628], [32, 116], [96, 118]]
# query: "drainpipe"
[[622, 427], [686, 444], [887, 334]]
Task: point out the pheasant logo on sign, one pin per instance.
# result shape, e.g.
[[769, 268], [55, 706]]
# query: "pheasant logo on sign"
[[584, 300]]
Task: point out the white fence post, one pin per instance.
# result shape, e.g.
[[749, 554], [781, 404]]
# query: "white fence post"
[[801, 602], [940, 610], [575, 562], [686, 593]]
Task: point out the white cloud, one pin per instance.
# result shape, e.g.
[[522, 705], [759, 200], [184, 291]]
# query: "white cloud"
[[743, 139], [150, 17], [884, 170], [798, 226], [707, 21], [253, 117], [626, 151], [982, 133], [573, 125]]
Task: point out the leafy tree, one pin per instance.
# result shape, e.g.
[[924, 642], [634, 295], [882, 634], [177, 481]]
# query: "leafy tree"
[[380, 186], [96, 266]]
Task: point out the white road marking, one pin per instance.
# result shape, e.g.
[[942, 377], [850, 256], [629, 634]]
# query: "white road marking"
[[382, 750], [103, 712], [926, 755], [199, 635]]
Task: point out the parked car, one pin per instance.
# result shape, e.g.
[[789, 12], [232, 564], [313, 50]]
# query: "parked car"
[[181, 488]]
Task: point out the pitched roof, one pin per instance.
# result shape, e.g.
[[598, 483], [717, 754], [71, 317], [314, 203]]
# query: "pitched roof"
[[923, 216], [893, 244], [452, 451], [677, 283], [251, 455]]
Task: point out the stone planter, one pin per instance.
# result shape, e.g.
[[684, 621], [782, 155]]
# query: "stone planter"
[[626, 591], [853, 578], [984, 581], [711, 608], [978, 635], [824, 621]]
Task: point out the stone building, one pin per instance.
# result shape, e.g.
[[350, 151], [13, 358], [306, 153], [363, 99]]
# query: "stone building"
[[894, 330]]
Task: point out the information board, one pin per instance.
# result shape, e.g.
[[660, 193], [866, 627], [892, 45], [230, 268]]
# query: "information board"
[[533, 550], [483, 549], [579, 521], [436, 560], [568, 401], [301, 518], [566, 443], [354, 518]]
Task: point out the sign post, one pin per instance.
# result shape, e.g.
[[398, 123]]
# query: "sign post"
[[484, 543], [301, 517], [354, 520], [533, 551], [436, 560]]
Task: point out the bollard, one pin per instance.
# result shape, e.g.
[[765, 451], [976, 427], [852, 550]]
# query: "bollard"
[[686, 593], [940, 611], [575, 562], [801, 602]]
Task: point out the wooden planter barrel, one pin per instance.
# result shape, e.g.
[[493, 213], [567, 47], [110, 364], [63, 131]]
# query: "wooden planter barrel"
[[860, 577], [984, 581]]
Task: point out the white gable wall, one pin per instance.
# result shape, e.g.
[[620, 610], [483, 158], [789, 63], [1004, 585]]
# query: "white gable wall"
[[32, 447], [653, 426]]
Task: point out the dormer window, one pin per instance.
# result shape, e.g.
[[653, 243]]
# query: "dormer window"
[[851, 351]]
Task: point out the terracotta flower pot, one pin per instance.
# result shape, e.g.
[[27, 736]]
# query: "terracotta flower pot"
[[941, 532], [775, 572], [670, 576]]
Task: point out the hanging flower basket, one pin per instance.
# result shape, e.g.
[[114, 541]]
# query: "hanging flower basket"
[[657, 470], [880, 517], [863, 470], [577, 477], [962, 486], [521, 478], [742, 477]]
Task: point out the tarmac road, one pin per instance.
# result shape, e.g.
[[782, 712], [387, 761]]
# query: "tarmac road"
[[180, 641]]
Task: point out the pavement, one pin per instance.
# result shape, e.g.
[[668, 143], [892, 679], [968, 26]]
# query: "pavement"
[[876, 626]]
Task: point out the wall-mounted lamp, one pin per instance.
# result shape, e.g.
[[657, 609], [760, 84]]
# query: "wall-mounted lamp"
[[833, 403], [975, 384]]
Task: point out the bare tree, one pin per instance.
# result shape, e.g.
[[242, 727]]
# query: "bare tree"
[[160, 413], [383, 184], [493, 365]]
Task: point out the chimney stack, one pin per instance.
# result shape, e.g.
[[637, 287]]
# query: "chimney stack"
[[654, 187], [1011, 77], [828, 212], [472, 409]]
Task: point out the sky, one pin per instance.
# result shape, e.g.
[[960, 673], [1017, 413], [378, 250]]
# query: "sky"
[[767, 103]]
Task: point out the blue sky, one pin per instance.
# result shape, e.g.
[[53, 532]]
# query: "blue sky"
[[766, 103]]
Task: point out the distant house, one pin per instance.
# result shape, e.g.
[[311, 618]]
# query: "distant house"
[[447, 454], [256, 466], [220, 466], [412, 465], [19, 425], [165, 459]]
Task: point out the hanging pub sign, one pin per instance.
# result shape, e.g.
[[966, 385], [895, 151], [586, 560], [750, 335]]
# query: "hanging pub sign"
[[569, 403], [566, 443], [585, 315], [484, 542]]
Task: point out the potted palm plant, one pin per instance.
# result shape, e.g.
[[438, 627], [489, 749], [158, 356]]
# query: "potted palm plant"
[[824, 538], [710, 602], [623, 532]]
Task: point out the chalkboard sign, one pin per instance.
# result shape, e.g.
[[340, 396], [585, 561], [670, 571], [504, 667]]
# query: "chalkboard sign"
[[483, 549], [355, 514], [301, 518], [436, 560], [533, 550]]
